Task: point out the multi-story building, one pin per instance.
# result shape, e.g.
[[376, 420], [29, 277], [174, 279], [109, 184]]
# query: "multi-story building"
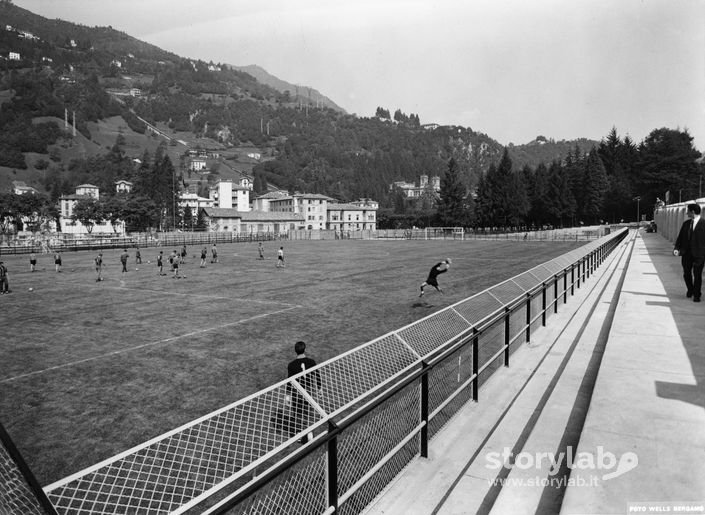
[[413, 191], [312, 206], [279, 211], [352, 216], [232, 195], [70, 226]]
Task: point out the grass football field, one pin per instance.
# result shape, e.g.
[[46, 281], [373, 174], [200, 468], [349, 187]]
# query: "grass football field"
[[89, 369]]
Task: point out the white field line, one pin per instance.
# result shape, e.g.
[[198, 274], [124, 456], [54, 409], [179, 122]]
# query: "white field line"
[[149, 344]]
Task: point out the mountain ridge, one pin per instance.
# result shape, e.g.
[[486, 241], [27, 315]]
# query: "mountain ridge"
[[309, 142], [282, 86]]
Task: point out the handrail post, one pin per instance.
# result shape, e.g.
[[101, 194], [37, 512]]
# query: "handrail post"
[[543, 304], [565, 286], [528, 317], [475, 364], [589, 265], [555, 293], [424, 410], [572, 279], [332, 464], [507, 314]]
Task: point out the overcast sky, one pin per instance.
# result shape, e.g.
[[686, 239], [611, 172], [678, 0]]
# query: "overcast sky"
[[513, 69]]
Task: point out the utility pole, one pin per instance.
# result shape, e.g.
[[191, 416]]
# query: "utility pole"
[[637, 198], [173, 199]]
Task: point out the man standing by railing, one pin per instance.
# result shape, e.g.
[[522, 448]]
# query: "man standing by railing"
[[690, 245]]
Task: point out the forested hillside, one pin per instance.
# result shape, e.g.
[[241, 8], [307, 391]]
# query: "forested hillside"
[[107, 83]]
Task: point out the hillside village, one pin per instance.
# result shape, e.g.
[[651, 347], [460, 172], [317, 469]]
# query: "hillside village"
[[206, 146]]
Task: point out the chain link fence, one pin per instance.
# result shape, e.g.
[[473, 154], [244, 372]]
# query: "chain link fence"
[[295, 448]]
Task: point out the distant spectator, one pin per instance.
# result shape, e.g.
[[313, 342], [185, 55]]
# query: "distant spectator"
[[4, 284]]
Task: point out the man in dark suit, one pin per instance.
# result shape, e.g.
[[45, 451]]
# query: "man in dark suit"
[[690, 245]]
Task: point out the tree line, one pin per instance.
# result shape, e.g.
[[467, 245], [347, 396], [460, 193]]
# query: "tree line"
[[605, 185]]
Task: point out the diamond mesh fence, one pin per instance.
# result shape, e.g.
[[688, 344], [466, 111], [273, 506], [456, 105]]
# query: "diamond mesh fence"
[[16, 495], [255, 455]]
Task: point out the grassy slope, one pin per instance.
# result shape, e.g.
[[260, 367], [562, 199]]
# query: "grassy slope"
[[90, 369]]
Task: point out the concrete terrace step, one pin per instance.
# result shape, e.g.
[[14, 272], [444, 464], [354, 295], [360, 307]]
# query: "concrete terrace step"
[[524, 407], [648, 404]]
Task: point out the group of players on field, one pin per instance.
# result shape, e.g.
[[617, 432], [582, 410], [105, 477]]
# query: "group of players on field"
[[176, 258]]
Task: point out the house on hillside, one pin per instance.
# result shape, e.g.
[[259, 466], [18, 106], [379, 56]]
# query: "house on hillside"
[[123, 186], [413, 191], [197, 164], [88, 190], [194, 202], [14, 56], [20, 188]]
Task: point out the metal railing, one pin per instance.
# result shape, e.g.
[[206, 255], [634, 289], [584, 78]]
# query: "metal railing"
[[378, 407], [19, 490]]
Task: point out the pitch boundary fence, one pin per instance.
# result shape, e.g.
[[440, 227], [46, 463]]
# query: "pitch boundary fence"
[[47, 243], [378, 407]]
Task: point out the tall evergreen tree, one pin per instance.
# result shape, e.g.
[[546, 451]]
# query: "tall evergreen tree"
[[504, 187], [484, 204], [452, 209], [595, 186], [540, 199]]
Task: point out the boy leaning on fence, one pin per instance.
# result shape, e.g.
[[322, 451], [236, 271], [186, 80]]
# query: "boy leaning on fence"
[[302, 411]]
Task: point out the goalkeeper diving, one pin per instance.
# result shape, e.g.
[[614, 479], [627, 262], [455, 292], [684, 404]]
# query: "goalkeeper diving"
[[432, 279]]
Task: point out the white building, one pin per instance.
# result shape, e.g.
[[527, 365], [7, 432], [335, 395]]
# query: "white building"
[[229, 195], [20, 188], [262, 203], [14, 56], [70, 226], [88, 190], [413, 191], [353, 216], [123, 186], [280, 212], [197, 164], [251, 222], [195, 202], [312, 206]]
